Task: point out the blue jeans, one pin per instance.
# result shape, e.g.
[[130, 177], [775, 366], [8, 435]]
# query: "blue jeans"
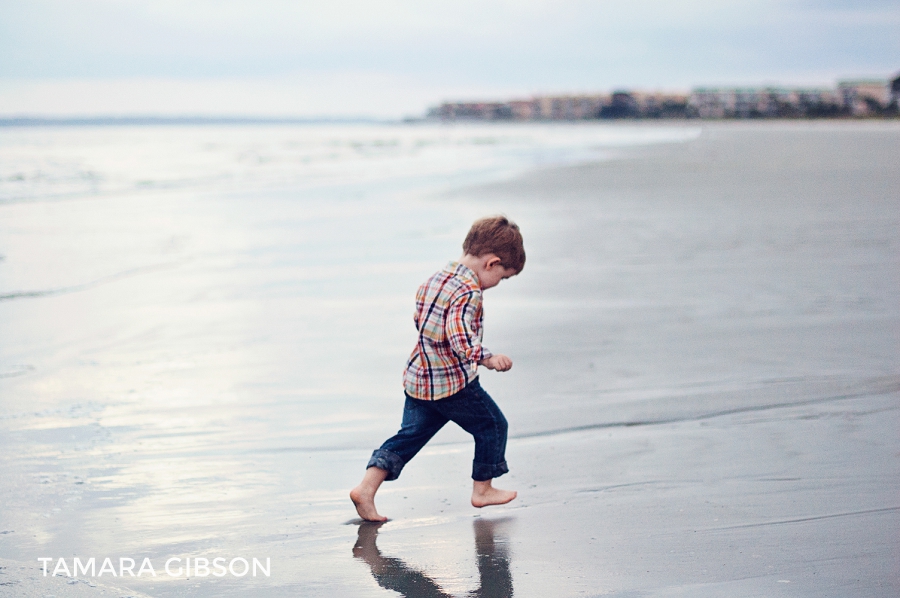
[[472, 409]]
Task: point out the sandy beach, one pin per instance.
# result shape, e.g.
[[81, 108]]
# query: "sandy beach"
[[705, 399]]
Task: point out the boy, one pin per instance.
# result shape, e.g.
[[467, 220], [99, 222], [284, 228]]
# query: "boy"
[[441, 377]]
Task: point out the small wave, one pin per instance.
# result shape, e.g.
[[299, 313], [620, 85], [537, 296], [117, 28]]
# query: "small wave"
[[88, 285], [874, 387], [38, 165]]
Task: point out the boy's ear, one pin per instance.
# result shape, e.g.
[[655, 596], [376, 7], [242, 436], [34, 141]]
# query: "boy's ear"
[[492, 261]]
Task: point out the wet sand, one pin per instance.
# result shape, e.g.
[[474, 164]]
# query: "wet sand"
[[704, 400]]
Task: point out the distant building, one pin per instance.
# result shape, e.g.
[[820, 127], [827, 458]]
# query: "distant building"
[[862, 98], [570, 107], [771, 102], [622, 105], [865, 97], [524, 109], [714, 103], [662, 105], [539, 108], [472, 111], [820, 103]]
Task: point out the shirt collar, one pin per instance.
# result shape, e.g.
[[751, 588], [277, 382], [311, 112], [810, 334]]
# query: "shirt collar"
[[464, 272]]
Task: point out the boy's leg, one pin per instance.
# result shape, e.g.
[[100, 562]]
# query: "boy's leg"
[[478, 414], [420, 423]]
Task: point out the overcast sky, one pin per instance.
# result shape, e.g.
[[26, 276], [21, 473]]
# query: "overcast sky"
[[396, 57]]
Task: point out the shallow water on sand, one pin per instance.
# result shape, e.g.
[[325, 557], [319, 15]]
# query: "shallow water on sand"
[[198, 356]]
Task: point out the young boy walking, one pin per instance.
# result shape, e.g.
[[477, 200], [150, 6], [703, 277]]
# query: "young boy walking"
[[441, 377]]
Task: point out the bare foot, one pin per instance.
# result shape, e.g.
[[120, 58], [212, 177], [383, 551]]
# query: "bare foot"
[[483, 495], [363, 496]]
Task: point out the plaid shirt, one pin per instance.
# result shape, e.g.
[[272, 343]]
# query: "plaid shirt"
[[449, 320]]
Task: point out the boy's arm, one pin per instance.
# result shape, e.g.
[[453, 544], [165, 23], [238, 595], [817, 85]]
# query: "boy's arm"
[[419, 306], [460, 333]]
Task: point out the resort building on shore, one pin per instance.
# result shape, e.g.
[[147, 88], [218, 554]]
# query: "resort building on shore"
[[852, 98]]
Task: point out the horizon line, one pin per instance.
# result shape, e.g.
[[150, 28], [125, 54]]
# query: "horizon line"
[[184, 119]]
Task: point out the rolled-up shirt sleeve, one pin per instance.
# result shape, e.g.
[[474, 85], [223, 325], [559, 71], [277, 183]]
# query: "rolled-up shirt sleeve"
[[463, 332]]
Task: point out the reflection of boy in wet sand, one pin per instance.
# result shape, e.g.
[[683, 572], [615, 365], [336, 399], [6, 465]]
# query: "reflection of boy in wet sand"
[[393, 574], [441, 377]]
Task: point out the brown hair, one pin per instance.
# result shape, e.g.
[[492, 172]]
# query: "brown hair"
[[500, 236]]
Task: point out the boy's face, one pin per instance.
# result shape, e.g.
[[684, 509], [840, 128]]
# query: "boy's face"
[[493, 273]]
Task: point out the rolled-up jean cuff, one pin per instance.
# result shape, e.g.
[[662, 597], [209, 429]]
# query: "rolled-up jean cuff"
[[388, 461], [482, 472]]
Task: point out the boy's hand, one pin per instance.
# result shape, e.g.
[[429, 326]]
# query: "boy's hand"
[[501, 363]]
